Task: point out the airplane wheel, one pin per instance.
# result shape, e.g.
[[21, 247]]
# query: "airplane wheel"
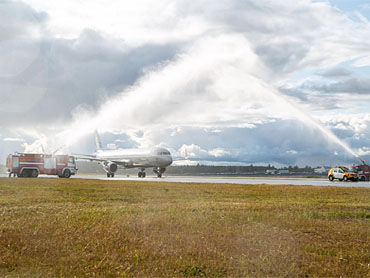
[[108, 175], [139, 174], [159, 175], [112, 175], [144, 175]]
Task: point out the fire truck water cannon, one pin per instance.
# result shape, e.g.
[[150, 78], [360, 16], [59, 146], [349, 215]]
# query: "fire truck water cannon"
[[362, 161]]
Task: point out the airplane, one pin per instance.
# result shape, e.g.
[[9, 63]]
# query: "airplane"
[[156, 158]]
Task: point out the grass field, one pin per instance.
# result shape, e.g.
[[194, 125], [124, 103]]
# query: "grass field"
[[92, 228]]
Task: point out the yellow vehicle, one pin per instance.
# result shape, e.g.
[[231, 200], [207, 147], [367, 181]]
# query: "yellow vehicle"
[[342, 174]]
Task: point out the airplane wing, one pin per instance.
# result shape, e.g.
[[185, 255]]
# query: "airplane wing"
[[87, 157], [122, 162], [126, 163]]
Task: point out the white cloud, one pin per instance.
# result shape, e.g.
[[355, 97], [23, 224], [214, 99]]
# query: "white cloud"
[[20, 32], [362, 62], [13, 139], [212, 65], [137, 23], [218, 152], [111, 146], [364, 151]]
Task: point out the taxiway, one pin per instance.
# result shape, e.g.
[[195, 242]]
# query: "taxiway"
[[233, 180], [238, 180]]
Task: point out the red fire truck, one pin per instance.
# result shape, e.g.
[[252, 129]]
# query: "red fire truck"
[[363, 171], [32, 165]]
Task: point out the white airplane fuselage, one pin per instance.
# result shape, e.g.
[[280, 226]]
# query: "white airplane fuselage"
[[137, 158]]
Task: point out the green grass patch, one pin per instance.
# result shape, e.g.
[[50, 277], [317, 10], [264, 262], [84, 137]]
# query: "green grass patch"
[[88, 228]]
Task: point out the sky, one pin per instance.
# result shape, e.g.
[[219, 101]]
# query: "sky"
[[229, 81]]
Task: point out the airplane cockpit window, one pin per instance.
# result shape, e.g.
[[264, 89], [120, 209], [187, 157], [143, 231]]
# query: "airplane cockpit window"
[[163, 153]]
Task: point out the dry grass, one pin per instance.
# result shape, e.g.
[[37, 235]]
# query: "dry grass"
[[92, 228]]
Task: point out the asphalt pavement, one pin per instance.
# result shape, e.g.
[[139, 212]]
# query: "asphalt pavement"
[[238, 180], [232, 180]]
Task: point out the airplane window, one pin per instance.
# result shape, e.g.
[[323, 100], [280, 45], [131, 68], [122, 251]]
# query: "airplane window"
[[163, 153]]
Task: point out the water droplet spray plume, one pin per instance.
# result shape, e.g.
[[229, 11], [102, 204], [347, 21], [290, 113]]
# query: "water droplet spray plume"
[[308, 120], [168, 83]]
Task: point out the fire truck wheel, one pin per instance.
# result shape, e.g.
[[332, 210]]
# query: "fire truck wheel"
[[331, 178], [66, 173], [34, 173], [362, 178], [345, 178]]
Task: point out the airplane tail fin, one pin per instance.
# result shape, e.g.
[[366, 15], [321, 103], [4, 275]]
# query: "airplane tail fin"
[[186, 154], [98, 145]]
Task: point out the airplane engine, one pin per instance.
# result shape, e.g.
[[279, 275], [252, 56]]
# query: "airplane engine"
[[111, 167]]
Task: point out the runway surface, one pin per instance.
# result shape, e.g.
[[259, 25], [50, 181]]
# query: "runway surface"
[[234, 180]]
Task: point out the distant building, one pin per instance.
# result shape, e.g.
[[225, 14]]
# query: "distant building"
[[277, 172], [283, 172], [321, 170], [272, 172]]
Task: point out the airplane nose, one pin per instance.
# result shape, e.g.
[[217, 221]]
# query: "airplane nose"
[[169, 160]]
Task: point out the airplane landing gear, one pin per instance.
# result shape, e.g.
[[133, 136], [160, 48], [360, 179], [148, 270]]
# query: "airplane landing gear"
[[110, 175], [159, 171], [141, 174]]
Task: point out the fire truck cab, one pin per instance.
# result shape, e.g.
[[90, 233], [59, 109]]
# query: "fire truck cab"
[[363, 171], [32, 165]]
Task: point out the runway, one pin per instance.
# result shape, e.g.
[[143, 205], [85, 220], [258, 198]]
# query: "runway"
[[233, 180], [237, 180]]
